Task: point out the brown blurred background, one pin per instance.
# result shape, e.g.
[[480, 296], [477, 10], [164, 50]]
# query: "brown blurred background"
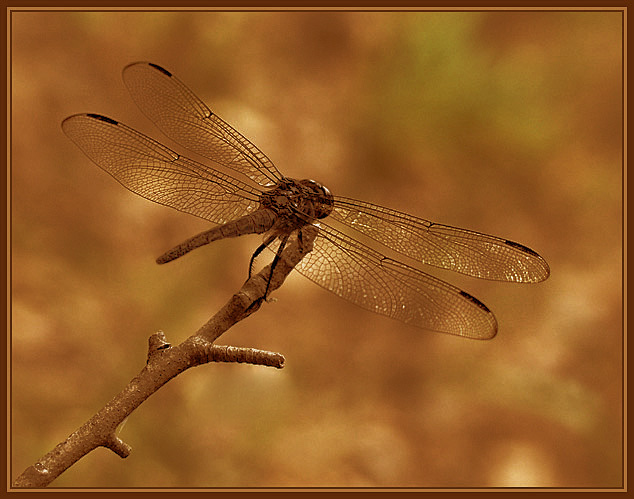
[[508, 123]]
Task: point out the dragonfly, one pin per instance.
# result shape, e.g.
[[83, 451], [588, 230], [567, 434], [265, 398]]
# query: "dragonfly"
[[244, 193]]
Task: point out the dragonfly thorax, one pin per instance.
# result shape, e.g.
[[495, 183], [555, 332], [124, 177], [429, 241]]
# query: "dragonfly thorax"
[[302, 200]]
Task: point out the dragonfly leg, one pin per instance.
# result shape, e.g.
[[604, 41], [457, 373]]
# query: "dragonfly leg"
[[257, 252], [278, 253], [300, 239], [256, 303]]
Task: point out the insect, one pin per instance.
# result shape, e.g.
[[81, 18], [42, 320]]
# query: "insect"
[[250, 196]]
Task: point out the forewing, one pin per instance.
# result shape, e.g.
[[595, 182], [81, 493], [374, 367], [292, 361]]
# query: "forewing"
[[184, 118], [465, 251], [385, 286], [157, 173]]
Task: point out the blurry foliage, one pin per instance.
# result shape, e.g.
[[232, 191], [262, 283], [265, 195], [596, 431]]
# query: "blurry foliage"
[[503, 122]]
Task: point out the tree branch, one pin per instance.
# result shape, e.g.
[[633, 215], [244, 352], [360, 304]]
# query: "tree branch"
[[164, 362]]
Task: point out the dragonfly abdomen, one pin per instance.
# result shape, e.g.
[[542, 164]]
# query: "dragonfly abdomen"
[[254, 223]]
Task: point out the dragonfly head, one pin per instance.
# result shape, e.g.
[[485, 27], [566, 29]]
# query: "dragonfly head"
[[321, 197]]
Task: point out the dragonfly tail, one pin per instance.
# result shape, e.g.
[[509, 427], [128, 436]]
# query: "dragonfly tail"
[[189, 245], [255, 223]]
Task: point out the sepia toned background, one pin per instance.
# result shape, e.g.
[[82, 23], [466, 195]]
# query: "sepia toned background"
[[508, 123]]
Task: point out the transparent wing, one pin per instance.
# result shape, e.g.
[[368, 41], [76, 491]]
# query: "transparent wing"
[[157, 173], [385, 286], [465, 251], [184, 118]]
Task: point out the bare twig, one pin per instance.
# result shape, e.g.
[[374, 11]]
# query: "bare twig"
[[164, 362]]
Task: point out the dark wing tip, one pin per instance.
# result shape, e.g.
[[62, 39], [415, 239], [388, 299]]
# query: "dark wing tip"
[[521, 247], [102, 118], [70, 119], [475, 301], [145, 63], [492, 327], [539, 275], [161, 69]]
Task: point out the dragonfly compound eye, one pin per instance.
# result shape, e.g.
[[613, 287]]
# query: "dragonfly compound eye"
[[322, 198]]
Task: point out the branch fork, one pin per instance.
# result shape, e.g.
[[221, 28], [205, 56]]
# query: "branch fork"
[[165, 362]]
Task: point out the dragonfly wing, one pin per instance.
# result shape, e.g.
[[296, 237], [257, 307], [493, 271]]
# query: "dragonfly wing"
[[157, 173], [465, 251], [184, 118], [388, 287]]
